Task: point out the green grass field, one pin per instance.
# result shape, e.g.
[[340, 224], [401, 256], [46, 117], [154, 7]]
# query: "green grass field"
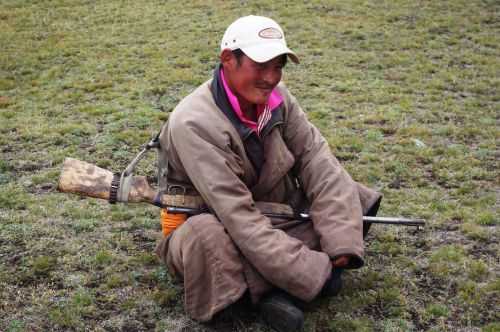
[[407, 94]]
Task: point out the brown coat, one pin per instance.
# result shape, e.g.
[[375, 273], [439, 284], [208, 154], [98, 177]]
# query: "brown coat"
[[207, 151]]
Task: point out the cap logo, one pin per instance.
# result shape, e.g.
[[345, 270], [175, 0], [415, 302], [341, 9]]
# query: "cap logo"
[[270, 33]]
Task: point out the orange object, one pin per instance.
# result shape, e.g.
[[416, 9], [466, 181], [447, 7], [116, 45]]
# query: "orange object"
[[170, 221]]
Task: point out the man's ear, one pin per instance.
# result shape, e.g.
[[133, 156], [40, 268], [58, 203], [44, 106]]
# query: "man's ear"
[[227, 59]]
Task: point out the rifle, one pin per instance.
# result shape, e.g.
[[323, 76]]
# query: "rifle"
[[86, 179], [301, 217]]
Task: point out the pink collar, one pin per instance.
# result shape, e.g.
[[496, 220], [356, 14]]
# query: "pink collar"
[[275, 99]]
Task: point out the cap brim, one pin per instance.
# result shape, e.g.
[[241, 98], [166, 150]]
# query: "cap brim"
[[261, 53]]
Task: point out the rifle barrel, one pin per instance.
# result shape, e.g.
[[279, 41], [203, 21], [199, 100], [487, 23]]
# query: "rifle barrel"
[[307, 217], [394, 221]]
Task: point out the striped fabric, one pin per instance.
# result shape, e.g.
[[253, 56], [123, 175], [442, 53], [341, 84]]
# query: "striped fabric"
[[264, 118]]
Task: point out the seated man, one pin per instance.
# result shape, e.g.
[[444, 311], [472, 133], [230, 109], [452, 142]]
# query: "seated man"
[[240, 139]]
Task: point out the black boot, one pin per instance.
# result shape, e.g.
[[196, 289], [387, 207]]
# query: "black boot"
[[279, 312], [333, 285]]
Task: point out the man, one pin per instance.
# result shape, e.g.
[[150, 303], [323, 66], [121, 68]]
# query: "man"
[[241, 139]]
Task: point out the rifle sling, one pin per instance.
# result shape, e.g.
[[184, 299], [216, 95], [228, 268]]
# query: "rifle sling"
[[185, 201]]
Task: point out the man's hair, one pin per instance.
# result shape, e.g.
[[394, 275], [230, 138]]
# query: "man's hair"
[[238, 53]]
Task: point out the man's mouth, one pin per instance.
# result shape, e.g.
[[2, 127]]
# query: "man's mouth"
[[265, 89]]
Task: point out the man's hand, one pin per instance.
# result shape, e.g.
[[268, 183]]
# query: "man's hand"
[[341, 261]]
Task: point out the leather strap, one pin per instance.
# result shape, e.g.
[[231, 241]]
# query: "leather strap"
[[188, 201], [125, 186], [113, 189]]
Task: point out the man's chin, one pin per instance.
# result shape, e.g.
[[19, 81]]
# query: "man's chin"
[[258, 98], [262, 98]]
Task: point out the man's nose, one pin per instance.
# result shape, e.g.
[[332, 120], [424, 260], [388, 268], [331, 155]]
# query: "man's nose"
[[271, 77]]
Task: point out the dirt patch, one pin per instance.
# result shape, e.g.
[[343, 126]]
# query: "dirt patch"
[[145, 240], [43, 188]]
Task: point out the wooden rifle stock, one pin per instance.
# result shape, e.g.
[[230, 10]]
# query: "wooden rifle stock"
[[86, 179]]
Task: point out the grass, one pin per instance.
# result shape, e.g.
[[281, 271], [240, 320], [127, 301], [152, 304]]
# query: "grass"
[[406, 93]]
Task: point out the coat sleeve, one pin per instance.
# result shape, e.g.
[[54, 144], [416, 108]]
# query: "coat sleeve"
[[335, 205], [216, 172]]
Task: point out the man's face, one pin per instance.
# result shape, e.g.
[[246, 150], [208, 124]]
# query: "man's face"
[[253, 82]]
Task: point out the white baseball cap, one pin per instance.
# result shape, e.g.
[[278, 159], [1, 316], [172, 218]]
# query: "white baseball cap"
[[260, 38]]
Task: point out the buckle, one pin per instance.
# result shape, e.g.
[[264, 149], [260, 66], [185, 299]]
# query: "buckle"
[[172, 187], [172, 190]]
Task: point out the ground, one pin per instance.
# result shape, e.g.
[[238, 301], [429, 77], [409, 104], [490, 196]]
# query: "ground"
[[405, 92]]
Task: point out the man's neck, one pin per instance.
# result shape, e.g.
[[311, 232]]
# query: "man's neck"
[[248, 109]]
